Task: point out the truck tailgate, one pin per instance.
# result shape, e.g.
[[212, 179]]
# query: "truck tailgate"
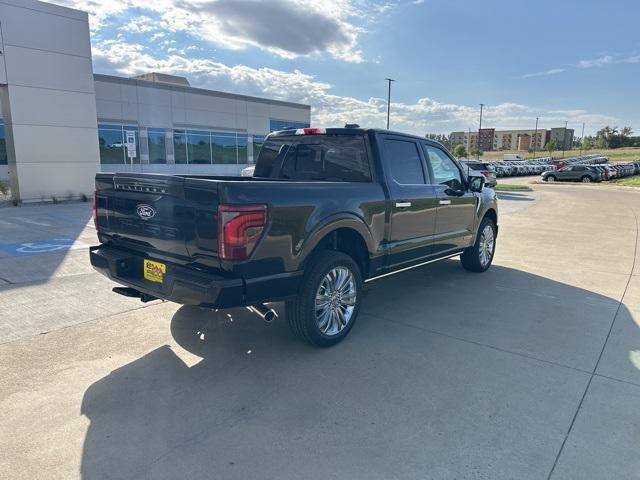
[[165, 213]]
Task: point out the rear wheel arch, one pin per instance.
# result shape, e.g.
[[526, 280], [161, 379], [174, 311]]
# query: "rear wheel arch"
[[345, 239]]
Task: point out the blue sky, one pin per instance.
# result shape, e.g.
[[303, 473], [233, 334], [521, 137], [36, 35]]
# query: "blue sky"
[[559, 60]]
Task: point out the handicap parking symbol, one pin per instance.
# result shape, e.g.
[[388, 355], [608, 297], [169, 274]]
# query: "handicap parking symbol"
[[41, 247]]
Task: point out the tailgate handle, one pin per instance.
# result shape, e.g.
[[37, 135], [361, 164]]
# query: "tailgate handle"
[[403, 204], [445, 202]]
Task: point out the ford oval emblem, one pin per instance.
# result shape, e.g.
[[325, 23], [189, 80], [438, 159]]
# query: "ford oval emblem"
[[145, 212]]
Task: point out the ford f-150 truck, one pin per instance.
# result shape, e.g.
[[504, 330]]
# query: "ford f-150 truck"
[[325, 211]]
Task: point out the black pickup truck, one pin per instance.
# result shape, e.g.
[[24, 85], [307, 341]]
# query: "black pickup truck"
[[326, 211]]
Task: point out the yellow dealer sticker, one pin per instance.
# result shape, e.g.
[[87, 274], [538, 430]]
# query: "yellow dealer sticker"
[[154, 271]]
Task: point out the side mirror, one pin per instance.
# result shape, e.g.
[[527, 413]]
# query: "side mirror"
[[476, 184]]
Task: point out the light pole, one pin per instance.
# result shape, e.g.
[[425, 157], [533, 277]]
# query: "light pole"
[[582, 139], [564, 138], [535, 139], [479, 128], [389, 99]]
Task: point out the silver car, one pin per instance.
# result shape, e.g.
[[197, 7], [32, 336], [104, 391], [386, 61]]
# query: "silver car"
[[481, 168]]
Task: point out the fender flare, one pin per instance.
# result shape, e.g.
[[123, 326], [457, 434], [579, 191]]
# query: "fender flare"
[[330, 224]]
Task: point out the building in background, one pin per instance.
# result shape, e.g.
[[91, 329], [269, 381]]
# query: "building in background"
[[62, 123], [485, 139], [181, 129], [563, 137], [512, 140]]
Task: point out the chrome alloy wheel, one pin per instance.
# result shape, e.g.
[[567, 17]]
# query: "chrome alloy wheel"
[[335, 300], [487, 244]]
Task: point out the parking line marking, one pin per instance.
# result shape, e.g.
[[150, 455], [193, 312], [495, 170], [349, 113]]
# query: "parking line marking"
[[41, 247]]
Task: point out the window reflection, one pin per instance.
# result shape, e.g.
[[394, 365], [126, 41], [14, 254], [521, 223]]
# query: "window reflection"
[[189, 146], [111, 144], [199, 147], [224, 147], [157, 150], [3, 146], [180, 146]]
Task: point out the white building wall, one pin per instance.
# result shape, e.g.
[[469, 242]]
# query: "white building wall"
[[48, 100]]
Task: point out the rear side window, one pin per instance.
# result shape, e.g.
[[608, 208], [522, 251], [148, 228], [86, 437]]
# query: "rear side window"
[[339, 158], [475, 166], [404, 162]]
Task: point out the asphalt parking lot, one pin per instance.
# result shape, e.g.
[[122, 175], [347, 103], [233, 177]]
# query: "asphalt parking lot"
[[529, 371]]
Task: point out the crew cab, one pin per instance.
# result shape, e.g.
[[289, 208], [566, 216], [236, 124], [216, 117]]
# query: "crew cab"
[[325, 211]]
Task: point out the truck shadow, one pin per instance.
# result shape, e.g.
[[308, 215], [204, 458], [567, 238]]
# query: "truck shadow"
[[237, 398]]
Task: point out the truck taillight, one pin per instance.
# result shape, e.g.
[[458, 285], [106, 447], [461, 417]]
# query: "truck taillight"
[[95, 209], [485, 173], [239, 229]]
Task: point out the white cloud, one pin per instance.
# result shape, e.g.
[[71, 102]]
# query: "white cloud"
[[287, 28], [553, 71], [329, 109], [596, 62], [589, 63]]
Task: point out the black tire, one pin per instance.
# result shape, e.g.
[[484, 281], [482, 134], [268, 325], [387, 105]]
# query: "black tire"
[[550, 178], [471, 257], [586, 179], [301, 311]]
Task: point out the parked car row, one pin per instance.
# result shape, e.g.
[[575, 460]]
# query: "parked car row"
[[539, 165], [592, 173]]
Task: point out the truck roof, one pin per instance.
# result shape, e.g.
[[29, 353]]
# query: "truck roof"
[[349, 131]]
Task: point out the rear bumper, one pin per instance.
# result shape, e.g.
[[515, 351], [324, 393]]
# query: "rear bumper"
[[188, 286]]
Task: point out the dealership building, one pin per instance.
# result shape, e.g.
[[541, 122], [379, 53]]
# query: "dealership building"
[[61, 123]]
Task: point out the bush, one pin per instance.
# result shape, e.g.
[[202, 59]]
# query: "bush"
[[3, 189], [460, 151]]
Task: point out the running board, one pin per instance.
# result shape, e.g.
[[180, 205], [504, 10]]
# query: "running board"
[[412, 267]]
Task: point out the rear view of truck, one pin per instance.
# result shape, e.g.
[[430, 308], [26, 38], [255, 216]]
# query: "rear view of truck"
[[222, 242], [165, 236]]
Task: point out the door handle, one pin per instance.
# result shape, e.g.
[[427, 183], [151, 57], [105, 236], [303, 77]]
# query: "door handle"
[[403, 204], [445, 202]]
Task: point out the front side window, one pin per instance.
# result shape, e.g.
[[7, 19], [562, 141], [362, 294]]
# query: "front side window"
[[445, 171], [404, 162]]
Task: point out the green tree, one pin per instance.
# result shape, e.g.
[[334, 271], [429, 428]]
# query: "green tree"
[[460, 151], [476, 153], [551, 146], [586, 144]]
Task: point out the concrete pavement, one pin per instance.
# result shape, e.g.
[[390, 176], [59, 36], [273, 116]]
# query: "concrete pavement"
[[529, 371]]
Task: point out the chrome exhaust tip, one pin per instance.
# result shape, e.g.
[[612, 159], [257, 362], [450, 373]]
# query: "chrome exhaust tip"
[[264, 312]]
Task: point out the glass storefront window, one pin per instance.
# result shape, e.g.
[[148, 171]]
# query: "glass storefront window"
[[157, 150], [258, 141], [3, 146], [199, 147], [242, 148], [180, 146], [276, 125], [111, 144], [224, 148]]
